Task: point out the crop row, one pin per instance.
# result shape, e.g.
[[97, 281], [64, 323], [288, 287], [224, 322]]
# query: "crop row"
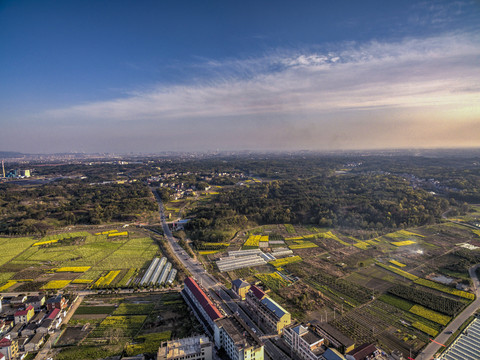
[[356, 292], [273, 280], [445, 289], [75, 269], [432, 301], [124, 281], [107, 279], [426, 329], [253, 240], [299, 244], [398, 271], [56, 284], [403, 243], [430, 315], [285, 261]]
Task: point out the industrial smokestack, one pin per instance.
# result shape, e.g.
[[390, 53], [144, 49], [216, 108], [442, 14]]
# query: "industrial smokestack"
[[3, 168]]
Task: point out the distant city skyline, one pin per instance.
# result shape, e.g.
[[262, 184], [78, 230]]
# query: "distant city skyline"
[[152, 76]]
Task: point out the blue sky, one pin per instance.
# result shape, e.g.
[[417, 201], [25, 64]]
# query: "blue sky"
[[147, 76]]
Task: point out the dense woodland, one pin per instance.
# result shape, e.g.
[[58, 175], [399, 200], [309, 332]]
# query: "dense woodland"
[[372, 202], [37, 209], [371, 191]]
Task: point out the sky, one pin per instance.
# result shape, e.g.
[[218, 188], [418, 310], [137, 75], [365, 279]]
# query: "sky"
[[151, 76]]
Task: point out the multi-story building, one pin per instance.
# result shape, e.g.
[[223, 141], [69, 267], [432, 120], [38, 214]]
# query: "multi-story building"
[[56, 302], [365, 352], [270, 315], [237, 339], [203, 308], [24, 316], [333, 336], [240, 288], [305, 343], [8, 347], [332, 354], [36, 301], [192, 348]]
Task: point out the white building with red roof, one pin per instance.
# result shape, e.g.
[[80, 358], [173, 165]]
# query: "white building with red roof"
[[204, 309], [24, 316]]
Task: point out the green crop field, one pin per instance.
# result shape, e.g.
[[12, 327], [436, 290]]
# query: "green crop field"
[[88, 256]]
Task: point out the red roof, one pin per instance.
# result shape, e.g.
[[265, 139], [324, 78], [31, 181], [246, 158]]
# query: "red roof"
[[203, 299], [5, 342], [53, 314], [257, 292], [24, 312]]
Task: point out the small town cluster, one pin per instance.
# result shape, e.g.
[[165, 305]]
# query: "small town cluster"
[[27, 322]]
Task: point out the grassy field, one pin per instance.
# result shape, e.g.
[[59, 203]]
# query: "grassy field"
[[77, 256]]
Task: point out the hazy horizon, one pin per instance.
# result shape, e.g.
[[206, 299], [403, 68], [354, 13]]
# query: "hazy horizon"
[[149, 77]]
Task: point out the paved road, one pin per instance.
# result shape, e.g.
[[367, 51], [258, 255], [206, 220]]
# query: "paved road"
[[431, 349], [192, 265], [216, 290]]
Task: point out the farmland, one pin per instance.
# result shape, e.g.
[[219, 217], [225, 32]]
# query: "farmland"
[[132, 325], [76, 259], [366, 283]]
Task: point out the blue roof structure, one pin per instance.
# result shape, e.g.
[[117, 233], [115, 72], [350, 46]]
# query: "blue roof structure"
[[274, 307], [332, 354]]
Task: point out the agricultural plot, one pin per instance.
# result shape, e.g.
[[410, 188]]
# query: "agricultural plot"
[[77, 258], [9, 248], [404, 243], [397, 271], [75, 269], [56, 284], [301, 244], [253, 241], [399, 264], [136, 324], [430, 314], [128, 326], [285, 261], [445, 289], [273, 281], [330, 235]]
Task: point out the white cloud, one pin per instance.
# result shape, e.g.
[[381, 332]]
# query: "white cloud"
[[415, 72], [415, 81]]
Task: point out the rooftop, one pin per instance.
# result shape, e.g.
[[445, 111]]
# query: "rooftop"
[[53, 314], [239, 283], [185, 347], [259, 294], [274, 307], [203, 299], [332, 354], [239, 332], [334, 333], [311, 338], [4, 342], [361, 352], [24, 312]]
